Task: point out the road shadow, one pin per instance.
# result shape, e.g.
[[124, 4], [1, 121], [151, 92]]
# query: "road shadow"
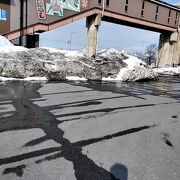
[[119, 171]]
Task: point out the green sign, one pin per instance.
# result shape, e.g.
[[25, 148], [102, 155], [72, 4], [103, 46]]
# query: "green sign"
[[73, 5], [57, 6]]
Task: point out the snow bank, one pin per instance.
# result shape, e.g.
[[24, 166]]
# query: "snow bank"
[[55, 64], [6, 46], [168, 71]]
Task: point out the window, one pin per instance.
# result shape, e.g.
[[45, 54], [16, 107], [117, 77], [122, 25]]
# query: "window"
[[107, 3], [143, 5], [157, 9], [156, 17], [168, 20], [176, 15], [169, 16], [142, 10], [169, 13], [126, 6], [99, 2], [176, 18], [142, 13]]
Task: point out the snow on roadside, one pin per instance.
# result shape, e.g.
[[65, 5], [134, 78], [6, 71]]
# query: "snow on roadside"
[[168, 71], [29, 79], [75, 78], [135, 69]]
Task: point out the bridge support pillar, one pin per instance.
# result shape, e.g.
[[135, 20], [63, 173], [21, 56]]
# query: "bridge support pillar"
[[32, 41], [169, 50], [92, 23], [29, 41]]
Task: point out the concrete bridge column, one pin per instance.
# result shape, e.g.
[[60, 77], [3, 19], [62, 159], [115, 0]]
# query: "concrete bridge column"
[[29, 41], [32, 41], [92, 23], [169, 49]]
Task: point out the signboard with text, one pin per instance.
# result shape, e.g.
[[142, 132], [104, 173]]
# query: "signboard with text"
[[3, 15], [41, 9], [58, 6]]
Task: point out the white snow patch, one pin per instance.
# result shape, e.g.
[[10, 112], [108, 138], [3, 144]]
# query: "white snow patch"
[[168, 71], [133, 61], [39, 79], [6, 46], [5, 42], [75, 78], [8, 49], [108, 52], [65, 52], [35, 79], [51, 66]]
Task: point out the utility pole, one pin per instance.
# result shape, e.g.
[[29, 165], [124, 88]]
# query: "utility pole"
[[70, 40]]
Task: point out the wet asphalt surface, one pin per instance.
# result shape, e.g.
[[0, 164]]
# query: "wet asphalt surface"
[[90, 130]]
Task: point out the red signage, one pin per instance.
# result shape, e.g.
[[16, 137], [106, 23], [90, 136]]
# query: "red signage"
[[41, 9], [84, 3]]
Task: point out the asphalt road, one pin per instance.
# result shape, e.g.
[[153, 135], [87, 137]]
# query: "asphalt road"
[[90, 130]]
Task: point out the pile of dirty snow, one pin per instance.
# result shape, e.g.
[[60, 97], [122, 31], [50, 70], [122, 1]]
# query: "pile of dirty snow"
[[53, 64], [135, 69]]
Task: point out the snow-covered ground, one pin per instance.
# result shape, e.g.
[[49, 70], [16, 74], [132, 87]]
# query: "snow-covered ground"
[[168, 71], [35, 64]]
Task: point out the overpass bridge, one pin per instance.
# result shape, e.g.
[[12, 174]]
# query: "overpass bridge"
[[22, 19]]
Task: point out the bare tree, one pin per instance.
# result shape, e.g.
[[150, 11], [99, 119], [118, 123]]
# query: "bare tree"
[[150, 54]]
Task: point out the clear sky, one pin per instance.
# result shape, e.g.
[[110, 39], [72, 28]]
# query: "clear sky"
[[110, 36]]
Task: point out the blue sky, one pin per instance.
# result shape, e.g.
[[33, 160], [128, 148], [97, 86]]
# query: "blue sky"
[[110, 36]]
